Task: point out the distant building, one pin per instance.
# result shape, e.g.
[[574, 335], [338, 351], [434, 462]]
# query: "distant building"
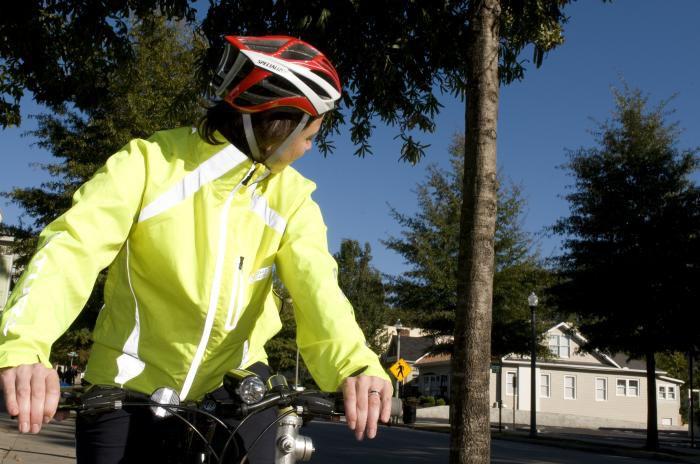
[[413, 347], [574, 389], [7, 260]]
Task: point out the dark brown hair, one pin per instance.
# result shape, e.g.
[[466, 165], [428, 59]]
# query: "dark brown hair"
[[270, 127]]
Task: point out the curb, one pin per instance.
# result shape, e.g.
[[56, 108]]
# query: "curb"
[[567, 443], [598, 448]]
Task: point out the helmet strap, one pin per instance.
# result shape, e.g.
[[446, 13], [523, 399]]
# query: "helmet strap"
[[250, 137], [283, 146]]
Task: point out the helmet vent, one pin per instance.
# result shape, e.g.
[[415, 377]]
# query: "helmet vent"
[[264, 46], [314, 86], [299, 52]]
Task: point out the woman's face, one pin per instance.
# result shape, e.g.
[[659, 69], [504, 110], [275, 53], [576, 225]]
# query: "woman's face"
[[296, 148]]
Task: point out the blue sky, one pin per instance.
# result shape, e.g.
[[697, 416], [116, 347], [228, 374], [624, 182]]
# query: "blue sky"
[[650, 44]]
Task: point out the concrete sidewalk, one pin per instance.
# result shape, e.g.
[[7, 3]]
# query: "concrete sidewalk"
[[55, 444]]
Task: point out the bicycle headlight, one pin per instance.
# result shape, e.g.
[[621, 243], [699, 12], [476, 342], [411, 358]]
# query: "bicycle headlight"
[[249, 387]]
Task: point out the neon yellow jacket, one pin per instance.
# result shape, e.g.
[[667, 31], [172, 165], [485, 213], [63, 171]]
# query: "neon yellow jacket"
[[190, 232]]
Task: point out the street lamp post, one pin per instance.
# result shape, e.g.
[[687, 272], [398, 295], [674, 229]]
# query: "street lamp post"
[[72, 355], [532, 302], [398, 326], [691, 406]]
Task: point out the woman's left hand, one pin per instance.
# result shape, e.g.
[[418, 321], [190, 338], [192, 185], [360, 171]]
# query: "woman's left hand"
[[367, 399]]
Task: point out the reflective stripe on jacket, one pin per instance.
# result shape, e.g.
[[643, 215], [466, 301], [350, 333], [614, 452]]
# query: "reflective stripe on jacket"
[[190, 232]]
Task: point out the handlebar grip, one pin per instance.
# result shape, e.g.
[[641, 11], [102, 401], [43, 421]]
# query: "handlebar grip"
[[396, 406], [100, 398], [316, 405]]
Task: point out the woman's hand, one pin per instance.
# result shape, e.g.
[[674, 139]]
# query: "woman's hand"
[[31, 392], [367, 399]]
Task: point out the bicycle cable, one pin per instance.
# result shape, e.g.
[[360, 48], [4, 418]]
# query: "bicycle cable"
[[192, 427], [233, 434]]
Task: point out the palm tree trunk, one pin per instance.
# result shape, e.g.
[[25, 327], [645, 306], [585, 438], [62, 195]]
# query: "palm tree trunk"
[[470, 440]]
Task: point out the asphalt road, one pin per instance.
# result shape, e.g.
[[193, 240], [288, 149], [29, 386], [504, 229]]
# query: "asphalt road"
[[333, 441], [335, 445]]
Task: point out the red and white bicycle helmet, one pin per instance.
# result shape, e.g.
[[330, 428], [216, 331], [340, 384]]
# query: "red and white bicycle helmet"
[[261, 73], [275, 72]]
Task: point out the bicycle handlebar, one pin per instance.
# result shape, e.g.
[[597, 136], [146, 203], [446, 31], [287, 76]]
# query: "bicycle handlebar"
[[102, 398]]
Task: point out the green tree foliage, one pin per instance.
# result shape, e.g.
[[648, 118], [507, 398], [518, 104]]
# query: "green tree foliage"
[[362, 285], [281, 349], [76, 341], [156, 90], [429, 243], [630, 264], [676, 364], [407, 52], [66, 51]]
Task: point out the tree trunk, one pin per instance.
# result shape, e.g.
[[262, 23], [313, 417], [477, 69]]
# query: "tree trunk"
[[652, 416], [470, 440]]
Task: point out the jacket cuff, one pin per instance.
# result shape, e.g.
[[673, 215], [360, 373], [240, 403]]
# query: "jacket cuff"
[[374, 369], [16, 358]]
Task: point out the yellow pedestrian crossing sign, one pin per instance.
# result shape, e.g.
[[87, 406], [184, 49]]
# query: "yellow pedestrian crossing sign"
[[400, 369]]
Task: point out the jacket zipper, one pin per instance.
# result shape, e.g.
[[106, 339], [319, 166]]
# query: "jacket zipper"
[[216, 284]]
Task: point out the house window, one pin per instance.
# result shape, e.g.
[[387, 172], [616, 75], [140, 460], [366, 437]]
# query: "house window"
[[621, 387], [633, 388], [569, 387], [560, 345], [544, 385], [601, 389], [667, 421], [627, 387], [510, 383], [434, 385], [667, 392]]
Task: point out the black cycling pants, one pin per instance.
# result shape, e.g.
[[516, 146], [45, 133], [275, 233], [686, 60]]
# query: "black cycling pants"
[[135, 435]]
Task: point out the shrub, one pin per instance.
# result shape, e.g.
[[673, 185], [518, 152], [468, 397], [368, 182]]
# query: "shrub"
[[440, 402], [428, 400]]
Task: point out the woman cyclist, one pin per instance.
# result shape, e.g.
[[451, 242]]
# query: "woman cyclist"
[[191, 223]]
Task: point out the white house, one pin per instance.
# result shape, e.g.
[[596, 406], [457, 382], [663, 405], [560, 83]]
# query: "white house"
[[6, 267], [573, 388]]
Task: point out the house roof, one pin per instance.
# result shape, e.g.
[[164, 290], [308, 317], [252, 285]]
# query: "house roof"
[[623, 360], [412, 348], [430, 358], [568, 328]]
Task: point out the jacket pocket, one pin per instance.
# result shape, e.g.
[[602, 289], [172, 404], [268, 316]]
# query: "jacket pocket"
[[238, 295]]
